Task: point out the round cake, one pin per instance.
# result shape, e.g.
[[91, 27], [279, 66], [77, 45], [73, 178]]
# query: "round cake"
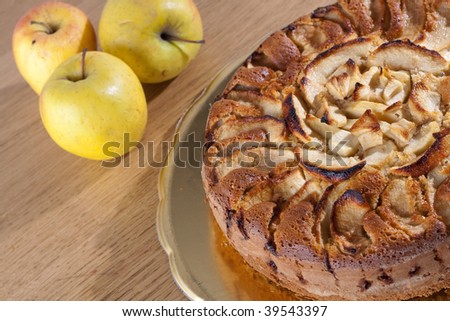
[[326, 162]]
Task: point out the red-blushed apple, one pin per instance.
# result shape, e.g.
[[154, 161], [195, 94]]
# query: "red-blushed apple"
[[47, 35], [93, 105], [156, 38]]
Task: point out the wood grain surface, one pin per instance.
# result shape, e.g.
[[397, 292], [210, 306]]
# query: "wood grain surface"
[[71, 229]]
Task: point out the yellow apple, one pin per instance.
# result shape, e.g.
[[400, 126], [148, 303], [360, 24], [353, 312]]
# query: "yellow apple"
[[156, 38], [46, 36], [93, 106]]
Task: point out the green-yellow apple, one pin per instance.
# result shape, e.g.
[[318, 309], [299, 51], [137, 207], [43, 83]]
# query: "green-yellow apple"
[[156, 38], [93, 105], [46, 36]]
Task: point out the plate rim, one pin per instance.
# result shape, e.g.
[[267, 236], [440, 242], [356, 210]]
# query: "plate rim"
[[162, 227]]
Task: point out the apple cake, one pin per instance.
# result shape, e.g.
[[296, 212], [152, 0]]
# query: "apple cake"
[[326, 162]]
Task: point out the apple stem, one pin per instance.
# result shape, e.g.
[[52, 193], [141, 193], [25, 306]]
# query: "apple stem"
[[48, 29], [83, 63], [168, 37]]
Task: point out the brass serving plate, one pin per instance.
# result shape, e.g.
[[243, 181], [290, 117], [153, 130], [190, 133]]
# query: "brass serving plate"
[[183, 223], [203, 264]]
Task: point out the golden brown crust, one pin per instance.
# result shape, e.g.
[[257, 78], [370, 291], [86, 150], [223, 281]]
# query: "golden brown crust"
[[360, 14], [250, 79], [327, 158], [225, 109], [276, 52], [294, 237], [320, 31], [397, 21]]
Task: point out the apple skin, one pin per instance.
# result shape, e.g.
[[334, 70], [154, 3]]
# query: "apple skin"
[[134, 30], [38, 50], [82, 114]]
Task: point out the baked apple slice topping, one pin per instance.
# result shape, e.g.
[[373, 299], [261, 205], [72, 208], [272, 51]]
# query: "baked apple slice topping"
[[431, 158], [354, 110], [368, 131], [424, 104], [328, 167], [442, 201], [405, 55], [346, 222]]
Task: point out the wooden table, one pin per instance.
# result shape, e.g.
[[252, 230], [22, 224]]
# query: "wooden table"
[[71, 229]]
